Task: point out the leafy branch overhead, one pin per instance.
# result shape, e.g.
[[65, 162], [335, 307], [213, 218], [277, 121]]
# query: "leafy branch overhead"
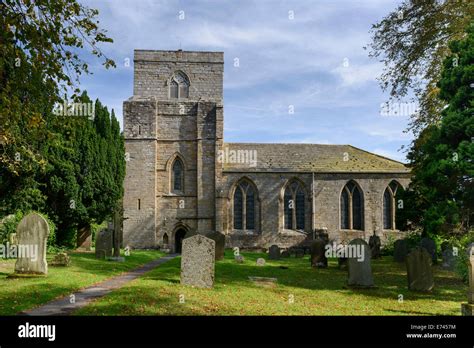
[[412, 42], [41, 59]]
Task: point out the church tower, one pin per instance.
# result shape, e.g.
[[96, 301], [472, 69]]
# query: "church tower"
[[173, 128]]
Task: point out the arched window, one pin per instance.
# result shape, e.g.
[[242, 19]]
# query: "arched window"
[[244, 206], [177, 176], [352, 207], [389, 206], [165, 240], [179, 85], [294, 208]]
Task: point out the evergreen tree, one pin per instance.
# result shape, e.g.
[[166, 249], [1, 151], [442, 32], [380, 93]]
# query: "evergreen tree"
[[442, 156]]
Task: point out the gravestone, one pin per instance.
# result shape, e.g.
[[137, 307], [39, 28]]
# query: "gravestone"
[[400, 250], [430, 246], [285, 254], [299, 253], [61, 259], [32, 234], [342, 262], [260, 262], [274, 252], [104, 243], [419, 272], [219, 239], [197, 261], [358, 264], [318, 254], [374, 244], [467, 309], [239, 258], [449, 260]]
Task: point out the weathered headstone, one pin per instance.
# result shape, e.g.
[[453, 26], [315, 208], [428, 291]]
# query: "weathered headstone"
[[274, 252], [239, 258], [430, 246], [358, 264], [285, 254], [299, 253], [318, 254], [260, 262], [32, 235], [400, 250], [197, 261], [419, 271], [449, 259], [374, 244], [467, 309], [104, 244], [219, 238], [61, 259]]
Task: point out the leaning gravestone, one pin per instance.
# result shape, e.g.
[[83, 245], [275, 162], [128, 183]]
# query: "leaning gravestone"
[[260, 262], [358, 264], [318, 254], [467, 309], [274, 252], [419, 272], [104, 244], [374, 244], [32, 235], [219, 238], [400, 250], [430, 246], [197, 261]]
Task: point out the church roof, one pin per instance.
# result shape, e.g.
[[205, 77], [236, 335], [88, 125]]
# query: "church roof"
[[306, 158]]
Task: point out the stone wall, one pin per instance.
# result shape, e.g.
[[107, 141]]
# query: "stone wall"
[[325, 214]]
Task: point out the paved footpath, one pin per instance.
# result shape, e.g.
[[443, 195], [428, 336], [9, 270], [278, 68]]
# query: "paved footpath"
[[63, 306]]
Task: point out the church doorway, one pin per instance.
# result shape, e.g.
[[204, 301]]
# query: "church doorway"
[[178, 240]]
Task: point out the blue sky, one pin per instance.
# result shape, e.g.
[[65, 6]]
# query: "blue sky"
[[304, 54]]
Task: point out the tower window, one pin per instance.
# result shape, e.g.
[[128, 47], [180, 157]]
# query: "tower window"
[[177, 176], [179, 86]]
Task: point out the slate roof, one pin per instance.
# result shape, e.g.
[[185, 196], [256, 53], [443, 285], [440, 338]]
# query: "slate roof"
[[310, 158]]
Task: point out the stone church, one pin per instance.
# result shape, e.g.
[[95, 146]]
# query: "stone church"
[[181, 177]]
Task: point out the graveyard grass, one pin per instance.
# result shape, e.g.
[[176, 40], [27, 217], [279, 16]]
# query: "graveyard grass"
[[19, 294], [313, 291]]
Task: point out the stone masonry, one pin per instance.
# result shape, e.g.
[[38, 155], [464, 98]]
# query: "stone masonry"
[[160, 130]]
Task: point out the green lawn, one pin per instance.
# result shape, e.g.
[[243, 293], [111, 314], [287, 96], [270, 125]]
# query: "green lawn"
[[19, 294], [314, 292]]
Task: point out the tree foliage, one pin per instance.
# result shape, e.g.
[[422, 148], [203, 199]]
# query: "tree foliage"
[[442, 156], [40, 42], [412, 42]]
